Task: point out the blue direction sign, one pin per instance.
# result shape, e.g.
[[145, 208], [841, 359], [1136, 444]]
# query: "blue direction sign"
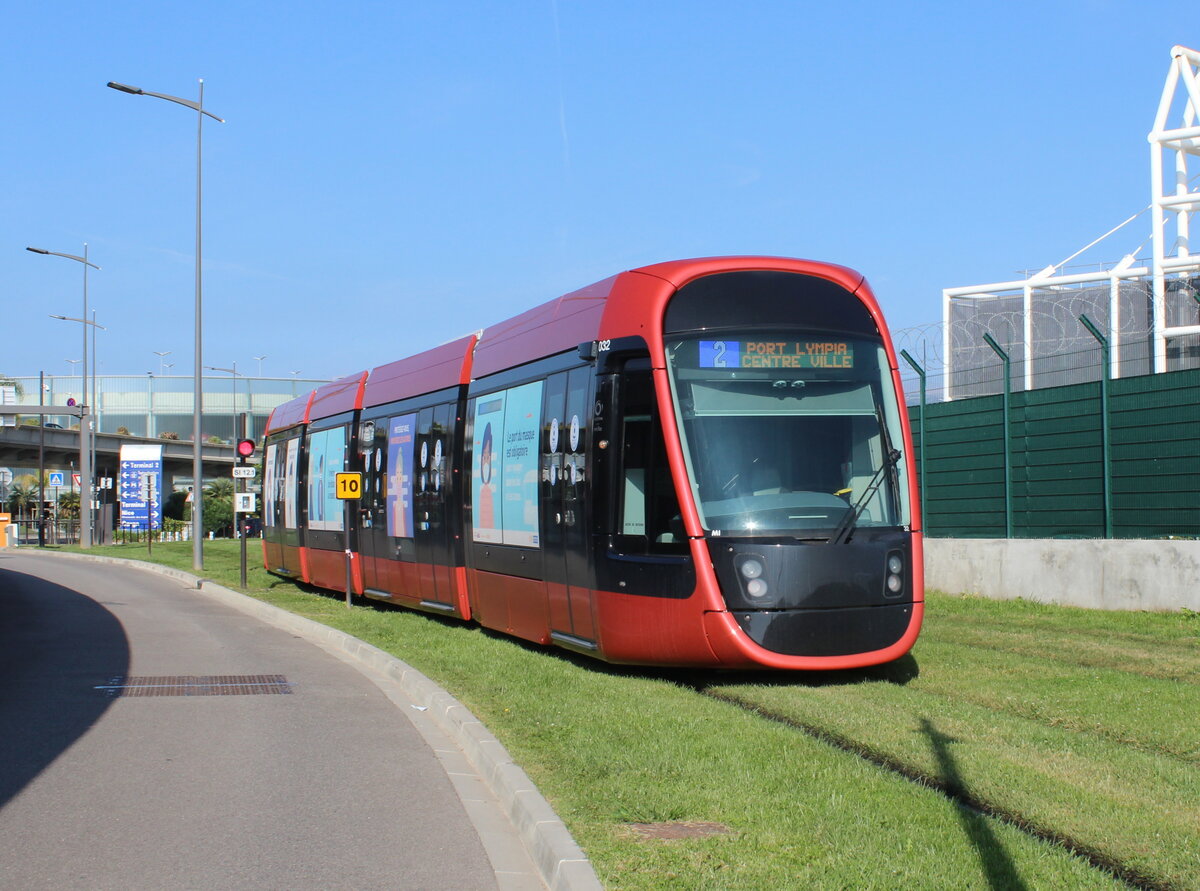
[[141, 486]]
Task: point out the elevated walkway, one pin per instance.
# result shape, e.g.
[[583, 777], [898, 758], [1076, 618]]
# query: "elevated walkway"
[[19, 448]]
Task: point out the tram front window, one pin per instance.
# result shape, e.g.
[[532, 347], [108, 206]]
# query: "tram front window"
[[785, 435]]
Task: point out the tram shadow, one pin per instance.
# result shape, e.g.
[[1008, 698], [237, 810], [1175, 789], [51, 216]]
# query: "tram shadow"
[[56, 646], [900, 672]]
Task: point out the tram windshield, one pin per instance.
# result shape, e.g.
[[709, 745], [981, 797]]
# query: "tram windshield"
[[788, 434]]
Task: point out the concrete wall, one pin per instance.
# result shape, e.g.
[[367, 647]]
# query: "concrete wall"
[[1116, 574]]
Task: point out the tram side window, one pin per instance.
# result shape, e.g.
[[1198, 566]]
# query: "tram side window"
[[327, 453], [649, 519], [279, 483]]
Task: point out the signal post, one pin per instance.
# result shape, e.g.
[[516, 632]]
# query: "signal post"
[[243, 501]]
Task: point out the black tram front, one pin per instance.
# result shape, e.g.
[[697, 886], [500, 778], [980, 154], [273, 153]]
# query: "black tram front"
[[791, 434]]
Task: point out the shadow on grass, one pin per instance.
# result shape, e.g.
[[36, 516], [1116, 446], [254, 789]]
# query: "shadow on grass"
[[899, 672], [997, 865]]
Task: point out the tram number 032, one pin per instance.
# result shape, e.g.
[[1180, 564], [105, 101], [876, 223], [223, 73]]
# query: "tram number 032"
[[348, 486]]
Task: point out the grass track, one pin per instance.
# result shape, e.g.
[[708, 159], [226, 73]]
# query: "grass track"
[[611, 746], [1097, 747]]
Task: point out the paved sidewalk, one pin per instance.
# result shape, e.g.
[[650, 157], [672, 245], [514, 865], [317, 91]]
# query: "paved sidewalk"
[[329, 785]]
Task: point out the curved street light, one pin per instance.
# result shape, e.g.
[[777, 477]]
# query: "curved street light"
[[235, 374], [85, 464], [95, 404], [198, 394]]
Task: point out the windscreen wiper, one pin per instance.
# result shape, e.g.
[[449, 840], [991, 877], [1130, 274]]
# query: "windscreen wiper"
[[842, 533]]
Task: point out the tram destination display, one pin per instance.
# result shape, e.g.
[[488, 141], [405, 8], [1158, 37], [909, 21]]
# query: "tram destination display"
[[827, 354]]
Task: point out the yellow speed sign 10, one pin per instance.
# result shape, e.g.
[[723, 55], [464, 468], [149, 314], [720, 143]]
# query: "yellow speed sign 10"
[[349, 486]]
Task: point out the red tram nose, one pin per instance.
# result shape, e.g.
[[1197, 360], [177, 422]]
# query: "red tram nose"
[[818, 599]]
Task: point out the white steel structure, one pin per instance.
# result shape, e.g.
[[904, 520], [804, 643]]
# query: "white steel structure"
[[1173, 198], [1051, 300]]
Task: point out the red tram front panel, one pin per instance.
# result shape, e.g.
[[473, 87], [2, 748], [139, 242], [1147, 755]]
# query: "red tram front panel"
[[791, 462]]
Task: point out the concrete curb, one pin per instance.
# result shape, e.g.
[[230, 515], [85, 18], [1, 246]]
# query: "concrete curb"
[[560, 861]]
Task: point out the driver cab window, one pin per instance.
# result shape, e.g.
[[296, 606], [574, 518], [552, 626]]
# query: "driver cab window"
[[649, 519]]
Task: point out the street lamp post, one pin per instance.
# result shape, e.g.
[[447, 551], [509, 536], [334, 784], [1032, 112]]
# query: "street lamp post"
[[161, 356], [88, 505], [198, 394], [85, 464], [237, 434]]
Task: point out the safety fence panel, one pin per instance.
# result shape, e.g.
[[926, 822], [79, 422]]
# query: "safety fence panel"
[[1156, 455], [965, 453], [1058, 458], [1054, 485]]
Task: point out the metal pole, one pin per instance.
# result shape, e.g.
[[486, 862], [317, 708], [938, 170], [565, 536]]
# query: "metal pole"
[[1105, 439], [85, 450], [1008, 507], [149, 477], [239, 486], [97, 536], [41, 514], [198, 387], [349, 576], [921, 432]]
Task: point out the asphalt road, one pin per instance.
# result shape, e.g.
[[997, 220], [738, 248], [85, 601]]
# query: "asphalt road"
[[330, 785]]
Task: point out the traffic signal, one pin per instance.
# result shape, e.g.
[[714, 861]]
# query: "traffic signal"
[[245, 449]]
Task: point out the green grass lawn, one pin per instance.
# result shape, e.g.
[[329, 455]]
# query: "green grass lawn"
[[1078, 726]]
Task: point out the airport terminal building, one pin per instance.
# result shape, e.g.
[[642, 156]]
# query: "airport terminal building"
[[160, 406]]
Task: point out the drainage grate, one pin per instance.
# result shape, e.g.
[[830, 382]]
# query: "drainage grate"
[[197, 685]]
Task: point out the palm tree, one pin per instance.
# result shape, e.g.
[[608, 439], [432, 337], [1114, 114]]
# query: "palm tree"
[[68, 505], [222, 487], [22, 498], [218, 505]]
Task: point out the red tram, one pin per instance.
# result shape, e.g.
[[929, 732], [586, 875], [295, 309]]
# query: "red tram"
[[696, 463]]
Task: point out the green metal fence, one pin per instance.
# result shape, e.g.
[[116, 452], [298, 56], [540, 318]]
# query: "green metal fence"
[[1117, 458]]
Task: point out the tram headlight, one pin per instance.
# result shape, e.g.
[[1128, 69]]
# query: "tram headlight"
[[752, 568], [756, 588], [895, 578]]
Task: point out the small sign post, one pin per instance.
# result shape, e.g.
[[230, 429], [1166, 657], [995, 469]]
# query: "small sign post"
[[148, 496], [349, 489], [243, 502]]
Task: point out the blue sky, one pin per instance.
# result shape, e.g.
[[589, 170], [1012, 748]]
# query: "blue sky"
[[394, 175]]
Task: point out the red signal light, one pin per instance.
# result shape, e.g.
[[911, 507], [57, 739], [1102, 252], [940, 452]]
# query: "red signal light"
[[245, 448]]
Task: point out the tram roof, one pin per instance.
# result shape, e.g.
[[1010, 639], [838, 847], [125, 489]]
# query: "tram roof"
[[443, 366]]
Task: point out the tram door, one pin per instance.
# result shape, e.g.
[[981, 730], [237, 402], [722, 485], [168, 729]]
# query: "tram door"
[[373, 542], [431, 490], [565, 493], [281, 493]]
